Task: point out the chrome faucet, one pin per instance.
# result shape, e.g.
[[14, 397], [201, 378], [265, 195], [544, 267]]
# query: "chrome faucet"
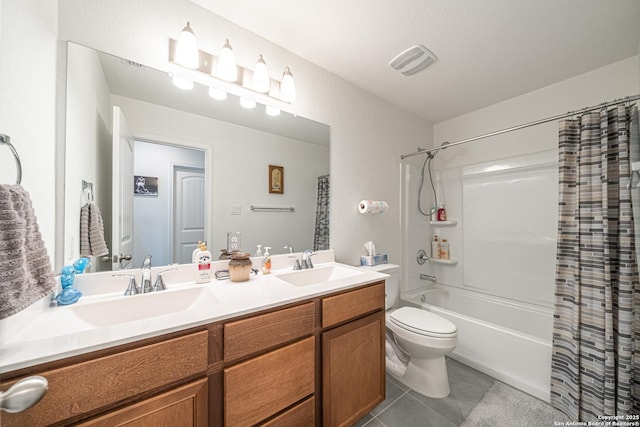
[[146, 275], [305, 260], [288, 247], [428, 277]]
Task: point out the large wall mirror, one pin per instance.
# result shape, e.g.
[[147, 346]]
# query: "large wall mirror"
[[165, 167]]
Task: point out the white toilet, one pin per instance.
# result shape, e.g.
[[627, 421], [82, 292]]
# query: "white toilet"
[[424, 338]]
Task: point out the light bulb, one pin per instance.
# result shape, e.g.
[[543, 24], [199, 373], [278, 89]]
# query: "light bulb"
[[287, 87], [182, 83], [187, 53], [247, 103], [272, 111], [227, 68], [217, 94], [261, 81]]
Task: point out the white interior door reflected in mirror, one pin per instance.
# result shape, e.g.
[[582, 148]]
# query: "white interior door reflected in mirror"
[[122, 192], [188, 212]]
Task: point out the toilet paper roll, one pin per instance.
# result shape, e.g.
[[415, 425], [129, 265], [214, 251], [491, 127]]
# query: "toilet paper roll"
[[372, 206]]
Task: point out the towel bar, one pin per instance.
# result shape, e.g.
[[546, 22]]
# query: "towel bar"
[[272, 209], [5, 139]]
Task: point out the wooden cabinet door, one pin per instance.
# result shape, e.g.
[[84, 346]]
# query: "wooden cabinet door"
[[184, 406], [353, 372]]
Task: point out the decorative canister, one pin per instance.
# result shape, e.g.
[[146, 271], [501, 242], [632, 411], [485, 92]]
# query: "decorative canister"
[[240, 266]]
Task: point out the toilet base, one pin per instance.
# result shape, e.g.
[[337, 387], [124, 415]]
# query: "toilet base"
[[426, 376]]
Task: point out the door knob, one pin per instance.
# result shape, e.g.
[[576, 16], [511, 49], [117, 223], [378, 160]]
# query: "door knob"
[[23, 394]]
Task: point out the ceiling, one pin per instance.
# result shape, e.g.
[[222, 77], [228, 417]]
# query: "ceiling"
[[487, 50]]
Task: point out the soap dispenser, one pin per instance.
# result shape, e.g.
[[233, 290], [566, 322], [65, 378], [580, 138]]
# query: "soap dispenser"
[[259, 251], [266, 261], [203, 265]]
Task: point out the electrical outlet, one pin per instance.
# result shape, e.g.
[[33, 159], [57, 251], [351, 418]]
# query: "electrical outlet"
[[234, 241]]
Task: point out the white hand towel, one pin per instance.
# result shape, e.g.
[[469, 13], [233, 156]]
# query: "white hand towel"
[[25, 269]]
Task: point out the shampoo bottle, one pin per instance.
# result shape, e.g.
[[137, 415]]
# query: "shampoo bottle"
[[266, 261], [203, 265], [435, 248], [442, 213]]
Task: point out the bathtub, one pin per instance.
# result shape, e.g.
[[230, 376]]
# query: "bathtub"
[[508, 340]]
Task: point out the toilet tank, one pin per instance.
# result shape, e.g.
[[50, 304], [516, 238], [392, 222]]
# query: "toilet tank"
[[392, 284]]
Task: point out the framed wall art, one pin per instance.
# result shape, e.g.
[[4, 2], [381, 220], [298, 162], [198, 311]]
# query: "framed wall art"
[[276, 179]]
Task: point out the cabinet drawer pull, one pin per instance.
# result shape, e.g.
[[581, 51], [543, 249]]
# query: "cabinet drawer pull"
[[23, 394]]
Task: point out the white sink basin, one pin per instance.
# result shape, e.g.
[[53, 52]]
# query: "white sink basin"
[[143, 306], [317, 275]]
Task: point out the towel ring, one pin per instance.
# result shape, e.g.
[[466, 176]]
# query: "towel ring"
[[5, 139]]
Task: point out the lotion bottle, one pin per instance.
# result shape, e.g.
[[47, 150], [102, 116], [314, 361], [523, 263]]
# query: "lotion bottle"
[[203, 265], [266, 261]]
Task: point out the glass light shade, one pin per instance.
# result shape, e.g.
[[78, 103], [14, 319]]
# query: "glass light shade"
[[227, 68], [272, 111], [187, 53], [182, 83], [261, 81], [287, 87], [217, 94], [247, 103]]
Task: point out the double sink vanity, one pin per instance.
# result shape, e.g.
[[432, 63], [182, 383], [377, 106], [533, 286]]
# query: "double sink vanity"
[[292, 348]]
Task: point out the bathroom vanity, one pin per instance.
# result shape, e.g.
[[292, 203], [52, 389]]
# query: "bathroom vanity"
[[298, 349]]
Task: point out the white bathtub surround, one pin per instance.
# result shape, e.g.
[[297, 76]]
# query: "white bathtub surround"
[[509, 340]]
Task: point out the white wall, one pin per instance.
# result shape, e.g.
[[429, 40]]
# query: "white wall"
[[28, 62], [367, 134]]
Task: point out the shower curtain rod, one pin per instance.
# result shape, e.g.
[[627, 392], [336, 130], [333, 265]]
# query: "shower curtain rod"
[[434, 150]]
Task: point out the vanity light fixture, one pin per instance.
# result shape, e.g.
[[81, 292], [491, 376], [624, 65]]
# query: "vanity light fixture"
[[287, 87], [247, 103], [272, 111], [187, 53], [261, 81], [223, 76], [217, 94], [227, 68]]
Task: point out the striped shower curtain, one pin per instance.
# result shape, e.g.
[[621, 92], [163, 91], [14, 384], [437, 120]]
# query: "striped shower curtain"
[[321, 234], [596, 332]]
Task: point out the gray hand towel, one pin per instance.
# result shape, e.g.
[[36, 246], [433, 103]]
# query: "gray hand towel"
[[25, 269], [92, 241]]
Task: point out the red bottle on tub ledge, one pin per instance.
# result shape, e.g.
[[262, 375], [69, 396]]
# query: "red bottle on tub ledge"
[[442, 214]]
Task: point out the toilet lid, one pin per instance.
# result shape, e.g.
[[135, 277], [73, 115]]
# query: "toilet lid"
[[423, 322]]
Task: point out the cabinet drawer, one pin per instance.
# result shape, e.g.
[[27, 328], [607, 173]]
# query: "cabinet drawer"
[[85, 387], [301, 415], [247, 336], [340, 308], [263, 386], [184, 406]]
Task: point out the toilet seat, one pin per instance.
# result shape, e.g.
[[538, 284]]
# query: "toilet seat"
[[423, 322]]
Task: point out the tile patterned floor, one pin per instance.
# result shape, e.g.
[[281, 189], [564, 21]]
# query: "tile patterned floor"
[[406, 408]]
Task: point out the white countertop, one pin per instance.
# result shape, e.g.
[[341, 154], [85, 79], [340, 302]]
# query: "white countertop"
[[100, 319]]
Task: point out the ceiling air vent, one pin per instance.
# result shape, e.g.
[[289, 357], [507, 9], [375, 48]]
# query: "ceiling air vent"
[[413, 60]]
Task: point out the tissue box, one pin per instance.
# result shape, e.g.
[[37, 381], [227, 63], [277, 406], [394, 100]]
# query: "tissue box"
[[370, 261]]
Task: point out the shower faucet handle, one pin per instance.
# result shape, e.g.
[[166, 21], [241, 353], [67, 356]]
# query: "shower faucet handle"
[[422, 257]]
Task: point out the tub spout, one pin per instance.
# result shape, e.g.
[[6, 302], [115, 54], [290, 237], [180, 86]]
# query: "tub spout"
[[428, 277]]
